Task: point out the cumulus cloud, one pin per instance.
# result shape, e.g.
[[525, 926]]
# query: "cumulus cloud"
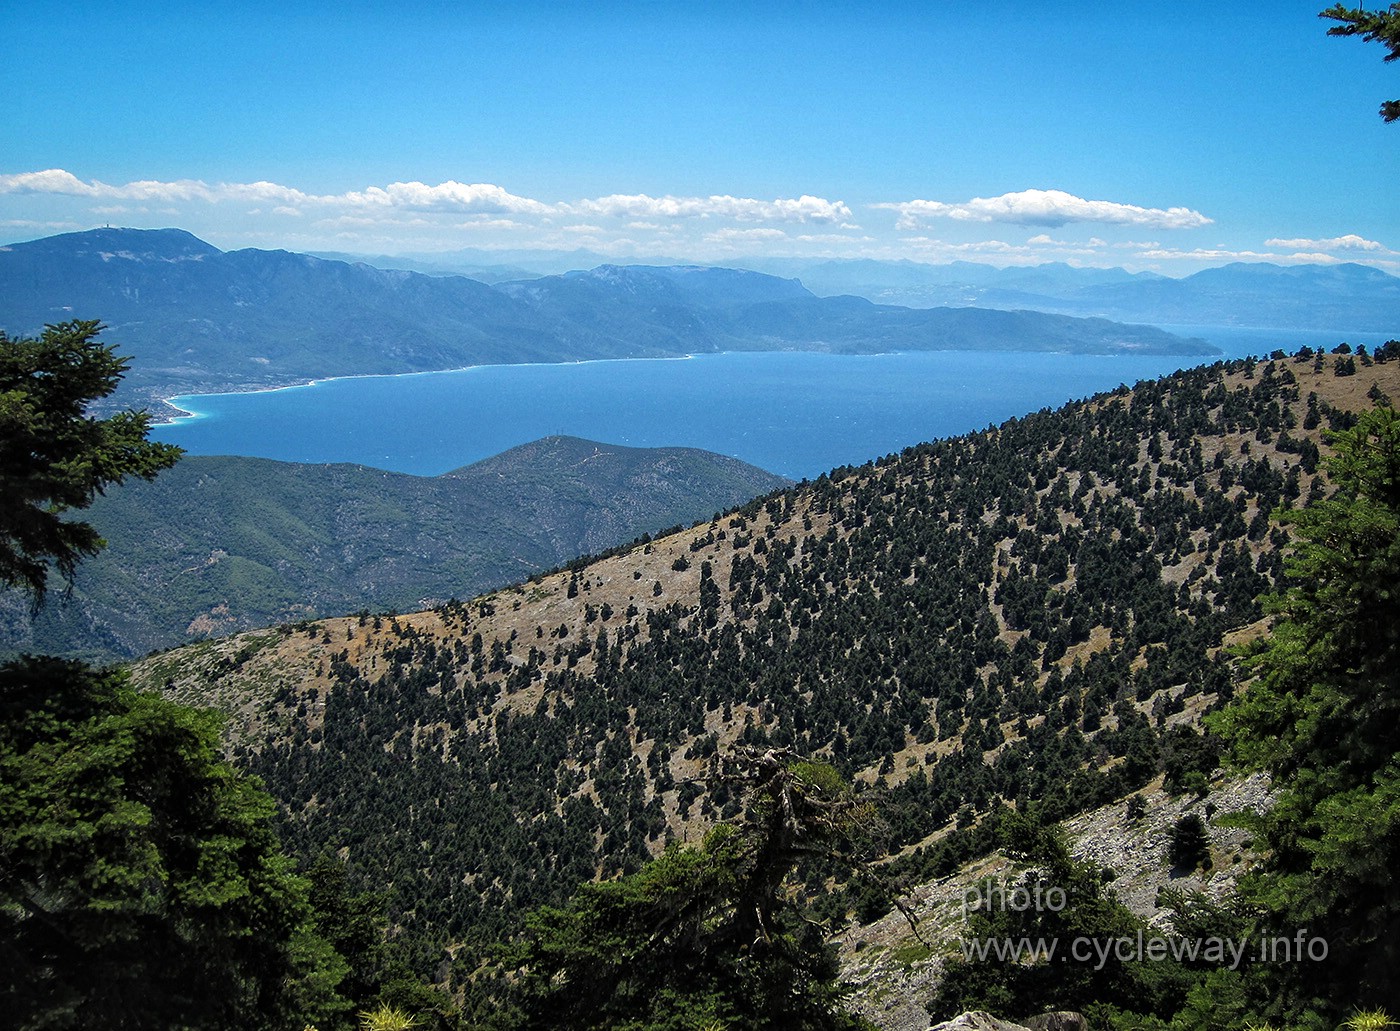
[[1048, 208], [740, 209], [449, 196], [52, 180], [1350, 242], [446, 198], [58, 181]]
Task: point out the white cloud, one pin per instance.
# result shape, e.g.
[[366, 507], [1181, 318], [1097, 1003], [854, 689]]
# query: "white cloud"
[[1350, 242], [988, 246], [740, 209], [1218, 254], [833, 238], [490, 223], [1049, 208], [448, 196], [52, 180], [930, 247], [29, 223], [738, 235], [1045, 240], [58, 181], [374, 222]]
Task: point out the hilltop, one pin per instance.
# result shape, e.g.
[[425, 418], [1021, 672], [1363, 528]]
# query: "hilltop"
[[1036, 611], [219, 544]]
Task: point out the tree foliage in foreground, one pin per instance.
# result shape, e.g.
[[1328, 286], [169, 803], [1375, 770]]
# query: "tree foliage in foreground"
[[54, 458], [707, 936], [143, 884], [1372, 26], [1323, 717], [141, 881]]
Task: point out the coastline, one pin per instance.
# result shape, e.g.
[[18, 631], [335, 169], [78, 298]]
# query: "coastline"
[[793, 412], [187, 415]]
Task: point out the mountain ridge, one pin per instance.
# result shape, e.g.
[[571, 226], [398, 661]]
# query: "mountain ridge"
[[1341, 297], [218, 544]]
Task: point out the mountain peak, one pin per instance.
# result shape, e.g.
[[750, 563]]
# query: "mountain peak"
[[110, 243]]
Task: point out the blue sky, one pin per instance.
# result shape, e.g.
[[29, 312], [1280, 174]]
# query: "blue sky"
[[1153, 136]]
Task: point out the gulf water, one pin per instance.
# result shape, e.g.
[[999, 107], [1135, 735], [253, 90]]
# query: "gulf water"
[[794, 413]]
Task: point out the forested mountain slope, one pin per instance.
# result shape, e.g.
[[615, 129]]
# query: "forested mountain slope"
[[1035, 612], [220, 544]]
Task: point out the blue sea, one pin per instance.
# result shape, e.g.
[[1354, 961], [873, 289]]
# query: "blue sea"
[[794, 413]]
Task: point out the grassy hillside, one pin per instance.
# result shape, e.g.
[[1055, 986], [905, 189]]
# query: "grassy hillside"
[[222, 544], [1035, 612]]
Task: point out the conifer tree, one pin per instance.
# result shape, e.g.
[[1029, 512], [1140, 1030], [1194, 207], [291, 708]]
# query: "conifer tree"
[[141, 881], [1372, 26], [1323, 716], [704, 936], [54, 456]]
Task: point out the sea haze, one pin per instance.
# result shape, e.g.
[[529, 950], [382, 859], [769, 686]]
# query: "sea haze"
[[797, 414]]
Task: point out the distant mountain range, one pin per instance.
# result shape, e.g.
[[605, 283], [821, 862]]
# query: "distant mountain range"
[[1317, 297], [197, 319], [221, 544]]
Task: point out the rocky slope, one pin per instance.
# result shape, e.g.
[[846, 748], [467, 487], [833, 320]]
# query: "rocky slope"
[[894, 972]]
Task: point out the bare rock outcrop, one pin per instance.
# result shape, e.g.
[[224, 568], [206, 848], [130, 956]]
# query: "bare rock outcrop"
[[976, 1020]]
